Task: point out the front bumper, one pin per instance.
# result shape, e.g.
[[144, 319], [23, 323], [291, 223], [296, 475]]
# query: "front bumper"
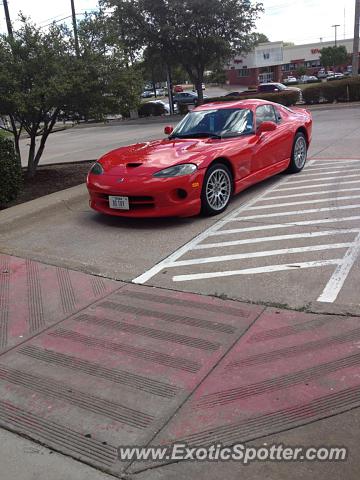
[[148, 197]]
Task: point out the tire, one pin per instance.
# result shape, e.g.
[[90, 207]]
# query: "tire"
[[217, 189], [298, 154]]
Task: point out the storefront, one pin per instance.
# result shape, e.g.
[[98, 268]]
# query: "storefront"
[[274, 61]]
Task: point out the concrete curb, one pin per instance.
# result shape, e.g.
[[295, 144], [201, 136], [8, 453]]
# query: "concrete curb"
[[43, 204]]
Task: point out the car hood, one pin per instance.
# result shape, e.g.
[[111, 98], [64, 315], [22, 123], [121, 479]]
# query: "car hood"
[[148, 157]]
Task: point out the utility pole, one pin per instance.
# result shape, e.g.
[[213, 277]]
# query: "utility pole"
[[335, 26], [355, 62], [8, 21], [76, 38]]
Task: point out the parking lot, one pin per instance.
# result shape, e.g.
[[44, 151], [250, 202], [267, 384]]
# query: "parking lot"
[[267, 249], [292, 240]]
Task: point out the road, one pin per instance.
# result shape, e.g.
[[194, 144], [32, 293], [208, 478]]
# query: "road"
[[290, 241], [89, 142]]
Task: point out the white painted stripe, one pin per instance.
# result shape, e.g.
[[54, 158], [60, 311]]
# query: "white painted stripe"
[[251, 241], [321, 174], [304, 202], [339, 183], [353, 175], [343, 161], [296, 212], [329, 168], [285, 225], [199, 238], [265, 253], [252, 271], [336, 282], [308, 194]]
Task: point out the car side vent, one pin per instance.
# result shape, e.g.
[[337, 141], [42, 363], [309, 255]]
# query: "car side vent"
[[133, 164]]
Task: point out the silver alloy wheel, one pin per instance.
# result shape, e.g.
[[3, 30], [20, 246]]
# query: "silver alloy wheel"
[[300, 152], [218, 189]]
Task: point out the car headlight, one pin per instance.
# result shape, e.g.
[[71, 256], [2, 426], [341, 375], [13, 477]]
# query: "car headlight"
[[176, 171], [97, 169]]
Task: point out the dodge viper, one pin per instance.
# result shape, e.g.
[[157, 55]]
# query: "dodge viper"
[[216, 151]]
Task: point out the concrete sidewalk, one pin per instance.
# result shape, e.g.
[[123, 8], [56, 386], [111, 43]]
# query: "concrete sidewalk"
[[88, 365]]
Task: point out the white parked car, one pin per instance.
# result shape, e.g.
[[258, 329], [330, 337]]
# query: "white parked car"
[[290, 79]]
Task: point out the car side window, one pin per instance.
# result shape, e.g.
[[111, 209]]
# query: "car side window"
[[265, 113]]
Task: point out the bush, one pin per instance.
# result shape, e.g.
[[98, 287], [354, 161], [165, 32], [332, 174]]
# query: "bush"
[[10, 171], [346, 90], [151, 109], [287, 98]]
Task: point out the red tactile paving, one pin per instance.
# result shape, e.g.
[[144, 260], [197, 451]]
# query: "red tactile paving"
[[289, 369], [114, 373], [34, 296]]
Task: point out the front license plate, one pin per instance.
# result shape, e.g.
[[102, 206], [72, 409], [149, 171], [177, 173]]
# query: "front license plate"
[[120, 203]]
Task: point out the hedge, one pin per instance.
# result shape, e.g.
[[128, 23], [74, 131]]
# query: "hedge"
[[346, 90], [287, 97], [10, 171]]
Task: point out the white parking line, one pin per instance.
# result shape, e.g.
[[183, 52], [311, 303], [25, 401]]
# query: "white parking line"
[[303, 202], [355, 175], [321, 174], [199, 238], [252, 271], [336, 282], [296, 212], [320, 185], [284, 190], [265, 253], [308, 194], [332, 168], [275, 238]]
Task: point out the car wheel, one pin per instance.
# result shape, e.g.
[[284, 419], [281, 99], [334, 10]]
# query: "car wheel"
[[299, 154], [217, 189]]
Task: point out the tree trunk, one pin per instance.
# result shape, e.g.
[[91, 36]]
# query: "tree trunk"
[[198, 85], [31, 168]]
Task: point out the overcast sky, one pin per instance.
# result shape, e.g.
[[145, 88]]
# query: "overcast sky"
[[301, 21]]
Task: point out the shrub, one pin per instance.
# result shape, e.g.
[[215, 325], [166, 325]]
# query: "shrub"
[[10, 171], [151, 109], [287, 98], [344, 90]]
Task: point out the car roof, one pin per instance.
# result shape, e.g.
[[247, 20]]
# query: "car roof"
[[248, 103]]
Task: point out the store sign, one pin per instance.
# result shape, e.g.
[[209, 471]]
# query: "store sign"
[[315, 50]]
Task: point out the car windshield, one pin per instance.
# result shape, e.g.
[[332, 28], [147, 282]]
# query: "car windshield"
[[219, 123]]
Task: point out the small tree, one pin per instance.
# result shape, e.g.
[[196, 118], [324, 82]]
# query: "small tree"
[[196, 33], [40, 77], [333, 56]]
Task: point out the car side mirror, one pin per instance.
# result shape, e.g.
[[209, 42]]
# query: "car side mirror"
[[168, 129], [266, 127]]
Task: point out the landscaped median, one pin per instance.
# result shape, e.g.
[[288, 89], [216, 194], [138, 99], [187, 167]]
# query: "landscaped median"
[[345, 90]]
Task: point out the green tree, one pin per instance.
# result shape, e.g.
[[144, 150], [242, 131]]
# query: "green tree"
[[195, 33], [260, 38], [333, 56]]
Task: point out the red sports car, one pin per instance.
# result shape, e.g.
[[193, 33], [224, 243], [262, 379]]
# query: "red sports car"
[[216, 151]]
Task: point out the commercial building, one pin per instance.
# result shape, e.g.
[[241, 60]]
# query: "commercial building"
[[274, 61]]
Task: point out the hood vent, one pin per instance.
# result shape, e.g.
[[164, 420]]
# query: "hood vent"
[[134, 164]]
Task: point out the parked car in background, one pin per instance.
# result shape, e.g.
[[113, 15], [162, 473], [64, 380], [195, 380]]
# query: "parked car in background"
[[185, 98], [178, 88], [233, 94], [308, 79], [321, 74], [290, 79], [147, 94]]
